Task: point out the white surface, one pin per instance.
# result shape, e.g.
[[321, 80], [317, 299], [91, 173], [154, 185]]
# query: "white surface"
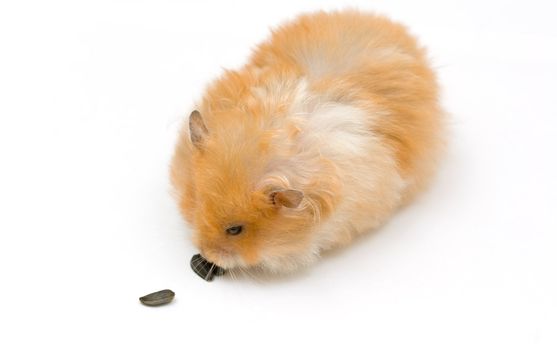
[[91, 95]]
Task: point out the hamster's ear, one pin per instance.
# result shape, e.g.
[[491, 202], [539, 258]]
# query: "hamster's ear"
[[198, 130], [287, 198]]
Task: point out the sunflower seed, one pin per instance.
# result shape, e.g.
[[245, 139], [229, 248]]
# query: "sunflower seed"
[[161, 297], [205, 269]]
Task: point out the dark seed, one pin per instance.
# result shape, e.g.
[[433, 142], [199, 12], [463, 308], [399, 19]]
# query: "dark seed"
[[218, 271], [161, 297], [204, 268]]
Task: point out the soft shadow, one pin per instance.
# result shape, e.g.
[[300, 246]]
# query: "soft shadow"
[[265, 278]]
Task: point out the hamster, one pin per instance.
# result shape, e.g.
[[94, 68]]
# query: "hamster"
[[332, 125]]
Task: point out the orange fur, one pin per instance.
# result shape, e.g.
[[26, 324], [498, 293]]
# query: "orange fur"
[[349, 60]]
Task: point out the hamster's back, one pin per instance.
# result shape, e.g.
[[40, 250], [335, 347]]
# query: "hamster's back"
[[369, 61]]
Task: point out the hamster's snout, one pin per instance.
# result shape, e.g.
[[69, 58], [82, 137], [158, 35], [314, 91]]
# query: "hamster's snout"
[[220, 256]]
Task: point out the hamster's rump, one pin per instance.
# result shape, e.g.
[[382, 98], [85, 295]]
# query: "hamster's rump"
[[332, 124]]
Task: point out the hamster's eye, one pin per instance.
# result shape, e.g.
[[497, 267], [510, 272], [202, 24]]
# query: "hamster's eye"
[[234, 230]]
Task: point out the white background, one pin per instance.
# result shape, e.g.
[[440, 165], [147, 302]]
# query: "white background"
[[91, 97]]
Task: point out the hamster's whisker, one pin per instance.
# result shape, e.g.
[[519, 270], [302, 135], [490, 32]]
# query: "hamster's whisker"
[[241, 272], [201, 262], [249, 273], [211, 269], [232, 274], [254, 275], [244, 272]]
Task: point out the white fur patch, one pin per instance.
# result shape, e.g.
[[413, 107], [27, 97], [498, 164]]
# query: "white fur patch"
[[340, 130], [343, 133]]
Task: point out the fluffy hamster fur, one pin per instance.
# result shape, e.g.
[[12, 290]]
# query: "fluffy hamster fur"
[[332, 125]]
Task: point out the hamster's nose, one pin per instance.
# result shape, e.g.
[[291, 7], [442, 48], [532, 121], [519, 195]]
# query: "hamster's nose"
[[219, 256]]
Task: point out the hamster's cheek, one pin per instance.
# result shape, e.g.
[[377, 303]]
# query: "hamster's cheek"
[[195, 240], [250, 256]]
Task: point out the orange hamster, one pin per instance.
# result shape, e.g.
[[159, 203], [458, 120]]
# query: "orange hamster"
[[332, 125]]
